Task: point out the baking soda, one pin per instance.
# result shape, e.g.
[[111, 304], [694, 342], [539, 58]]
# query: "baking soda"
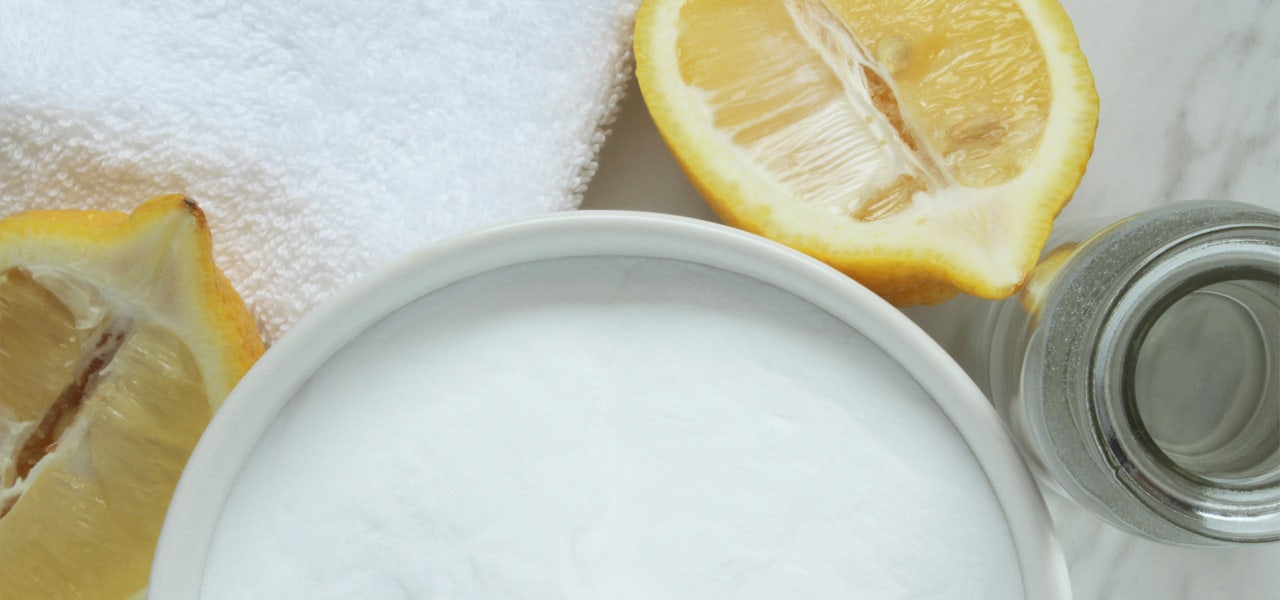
[[611, 428]]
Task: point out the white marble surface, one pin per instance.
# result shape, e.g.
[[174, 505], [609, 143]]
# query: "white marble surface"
[[1190, 94]]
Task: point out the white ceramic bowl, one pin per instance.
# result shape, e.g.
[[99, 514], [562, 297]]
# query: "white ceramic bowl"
[[195, 511]]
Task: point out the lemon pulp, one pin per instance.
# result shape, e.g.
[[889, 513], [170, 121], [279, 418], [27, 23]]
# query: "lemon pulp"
[[100, 415]]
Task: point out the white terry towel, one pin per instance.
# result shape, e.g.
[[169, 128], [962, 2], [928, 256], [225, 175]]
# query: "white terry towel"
[[322, 138]]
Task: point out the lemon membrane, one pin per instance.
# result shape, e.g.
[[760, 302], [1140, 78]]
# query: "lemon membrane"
[[611, 427]]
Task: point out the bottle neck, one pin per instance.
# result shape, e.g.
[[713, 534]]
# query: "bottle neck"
[[1186, 404], [1155, 355]]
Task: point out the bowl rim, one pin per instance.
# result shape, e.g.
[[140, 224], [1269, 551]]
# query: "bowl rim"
[[193, 514]]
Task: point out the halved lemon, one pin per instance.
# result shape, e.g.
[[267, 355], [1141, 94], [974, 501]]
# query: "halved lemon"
[[118, 339], [921, 146]]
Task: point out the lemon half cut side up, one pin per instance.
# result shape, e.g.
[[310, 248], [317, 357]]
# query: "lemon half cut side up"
[[119, 338], [921, 147]]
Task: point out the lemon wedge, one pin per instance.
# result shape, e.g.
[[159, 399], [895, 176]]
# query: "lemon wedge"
[[922, 147], [118, 339]]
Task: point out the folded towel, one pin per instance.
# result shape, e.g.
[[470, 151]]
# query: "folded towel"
[[322, 139]]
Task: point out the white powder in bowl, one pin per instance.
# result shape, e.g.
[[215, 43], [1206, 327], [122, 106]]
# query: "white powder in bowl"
[[611, 428]]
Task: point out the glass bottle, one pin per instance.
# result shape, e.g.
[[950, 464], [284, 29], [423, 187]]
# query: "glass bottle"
[[1138, 370]]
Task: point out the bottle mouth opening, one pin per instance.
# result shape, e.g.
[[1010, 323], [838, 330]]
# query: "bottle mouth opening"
[[1185, 381], [1200, 384]]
